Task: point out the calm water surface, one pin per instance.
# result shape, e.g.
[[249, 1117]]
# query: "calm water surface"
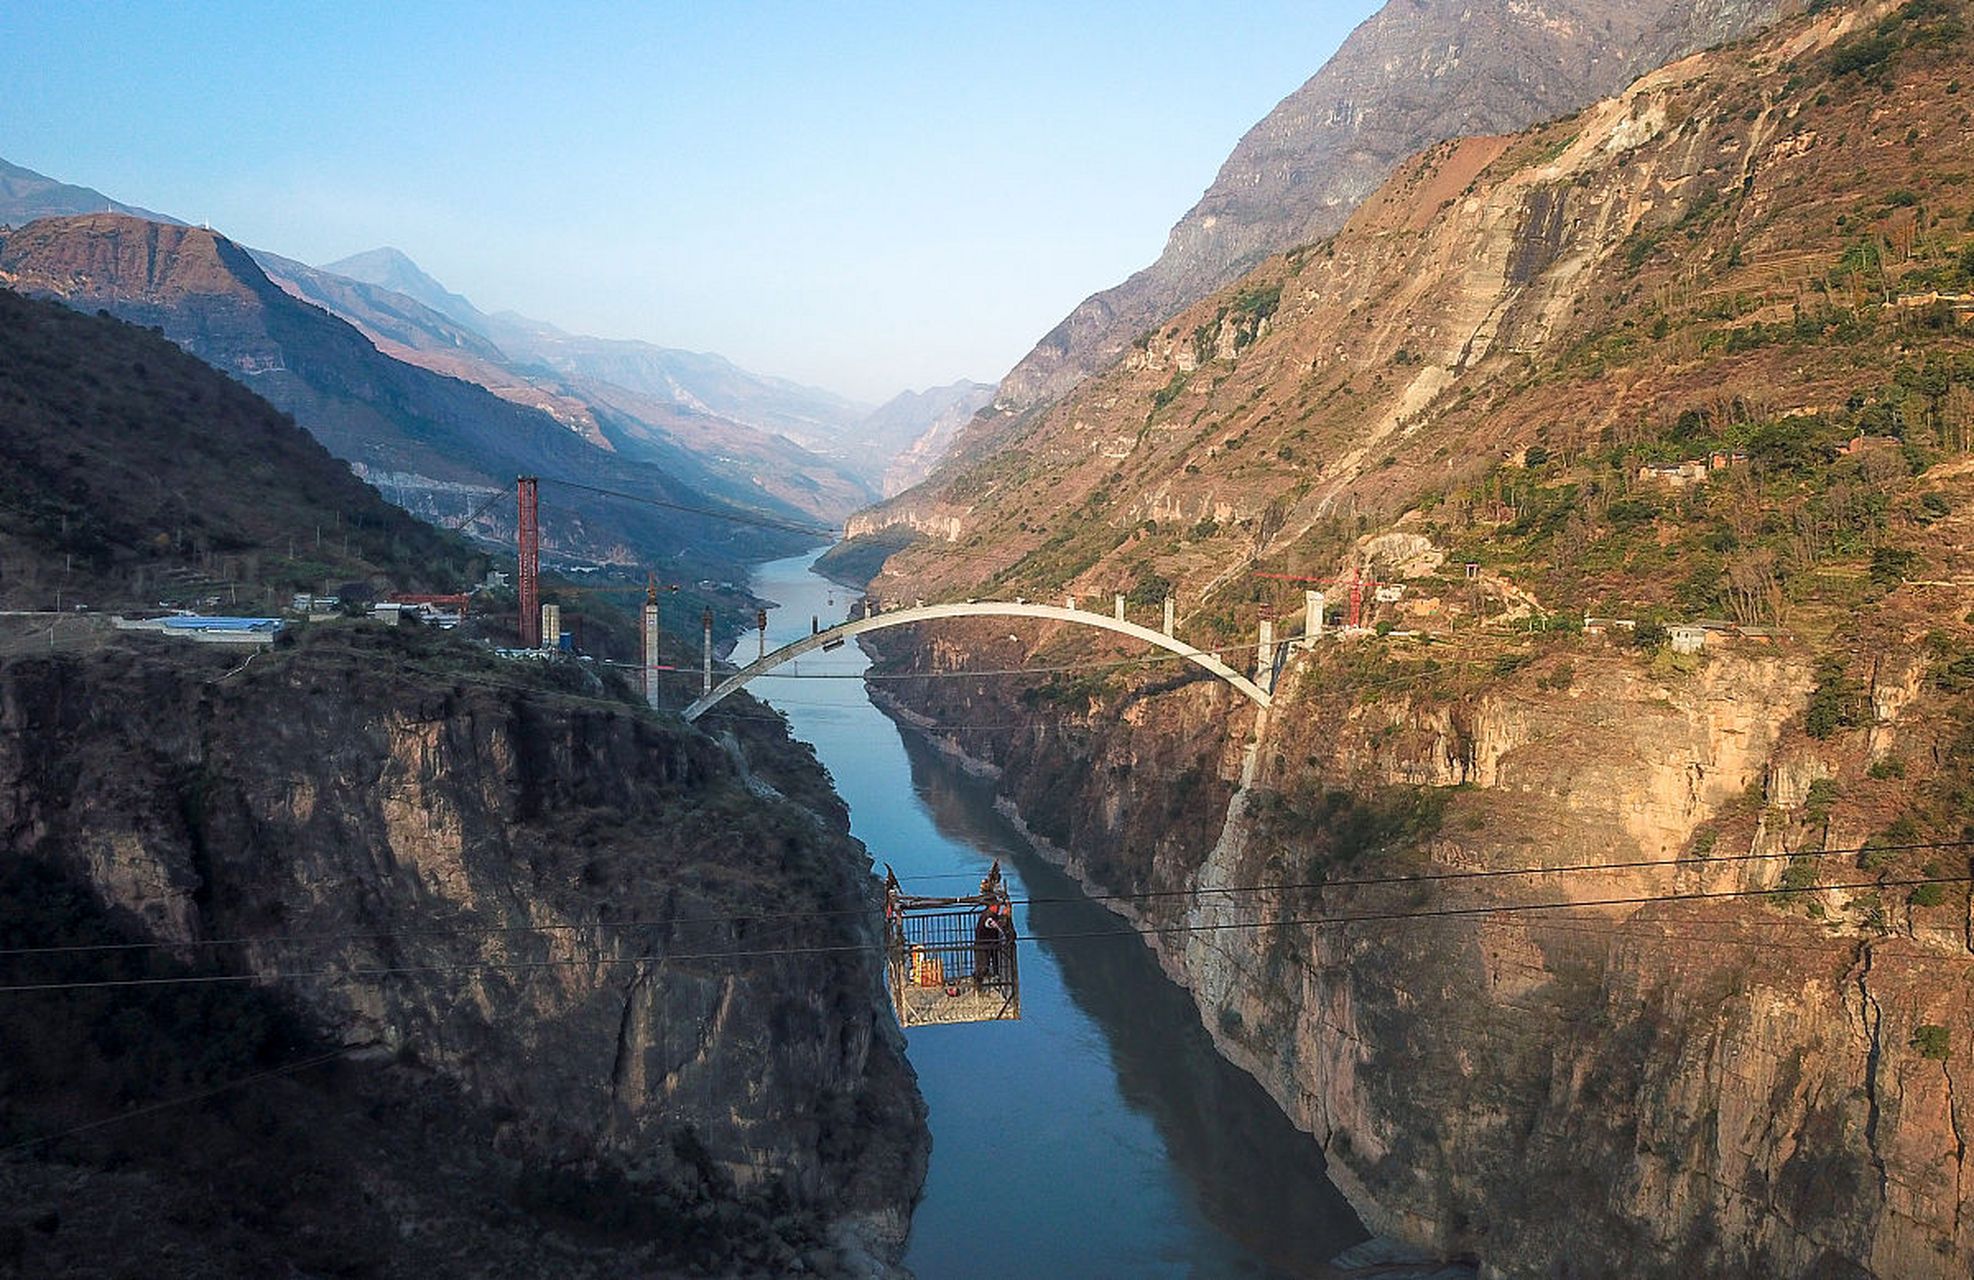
[[1101, 1135]]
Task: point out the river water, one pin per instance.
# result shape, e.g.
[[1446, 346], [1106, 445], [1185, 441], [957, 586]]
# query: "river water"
[[1101, 1135]]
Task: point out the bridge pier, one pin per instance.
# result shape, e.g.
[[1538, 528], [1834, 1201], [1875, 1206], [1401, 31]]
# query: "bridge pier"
[[1120, 607], [1264, 657], [1312, 616], [1171, 614], [706, 677], [651, 651]]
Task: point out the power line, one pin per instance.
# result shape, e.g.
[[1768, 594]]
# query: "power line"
[[1127, 931], [734, 517], [1498, 873], [1223, 891], [476, 512], [1621, 930], [186, 1100], [737, 517]]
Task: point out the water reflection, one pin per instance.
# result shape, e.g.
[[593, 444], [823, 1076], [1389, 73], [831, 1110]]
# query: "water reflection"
[[1256, 1177], [1101, 1135]]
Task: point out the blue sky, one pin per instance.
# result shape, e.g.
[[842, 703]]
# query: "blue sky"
[[865, 197]]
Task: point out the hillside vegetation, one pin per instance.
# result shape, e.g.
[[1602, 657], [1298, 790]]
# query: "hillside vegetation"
[[436, 445], [1760, 261], [1648, 778], [135, 468]]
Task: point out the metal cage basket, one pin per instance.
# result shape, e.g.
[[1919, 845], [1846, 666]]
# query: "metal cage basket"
[[952, 960]]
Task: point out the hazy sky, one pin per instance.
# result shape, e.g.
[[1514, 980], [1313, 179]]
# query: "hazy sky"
[[863, 197]]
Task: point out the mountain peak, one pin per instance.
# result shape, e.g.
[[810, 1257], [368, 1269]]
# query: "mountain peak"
[[392, 268]]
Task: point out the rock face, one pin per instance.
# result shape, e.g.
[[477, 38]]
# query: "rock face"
[[554, 905], [1760, 1092], [1536, 381], [1417, 72], [912, 431]]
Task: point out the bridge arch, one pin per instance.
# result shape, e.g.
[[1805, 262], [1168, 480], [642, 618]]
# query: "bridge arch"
[[978, 609]]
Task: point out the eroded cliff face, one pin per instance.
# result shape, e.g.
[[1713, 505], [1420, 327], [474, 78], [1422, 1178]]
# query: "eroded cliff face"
[[1654, 1081], [550, 901], [1411, 75]]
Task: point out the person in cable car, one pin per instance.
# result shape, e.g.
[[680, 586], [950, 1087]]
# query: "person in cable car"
[[992, 935]]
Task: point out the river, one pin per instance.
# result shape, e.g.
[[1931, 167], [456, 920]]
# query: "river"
[[1101, 1135]]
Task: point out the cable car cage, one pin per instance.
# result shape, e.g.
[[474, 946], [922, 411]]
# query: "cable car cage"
[[951, 959]]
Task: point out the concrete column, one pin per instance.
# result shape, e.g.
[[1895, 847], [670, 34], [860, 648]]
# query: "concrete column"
[[761, 628], [651, 656], [1312, 620], [1264, 657], [1171, 614], [551, 626], [706, 671], [1069, 602], [1120, 608]]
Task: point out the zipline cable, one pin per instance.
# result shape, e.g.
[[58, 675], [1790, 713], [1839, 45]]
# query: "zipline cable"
[[1128, 931], [203, 1094], [1145, 895], [1203, 891]]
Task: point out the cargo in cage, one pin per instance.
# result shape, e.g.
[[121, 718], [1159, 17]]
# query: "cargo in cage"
[[951, 959]]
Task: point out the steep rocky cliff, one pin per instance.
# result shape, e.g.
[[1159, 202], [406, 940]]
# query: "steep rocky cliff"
[[1762, 1085], [611, 953], [1413, 74], [1639, 442]]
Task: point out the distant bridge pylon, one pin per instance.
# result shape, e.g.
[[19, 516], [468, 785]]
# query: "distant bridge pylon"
[[836, 635]]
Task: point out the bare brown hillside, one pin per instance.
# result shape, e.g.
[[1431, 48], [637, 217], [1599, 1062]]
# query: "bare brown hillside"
[[1601, 903], [1413, 74]]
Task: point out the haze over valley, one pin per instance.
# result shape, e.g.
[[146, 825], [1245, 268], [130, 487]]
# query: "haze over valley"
[[1295, 642]]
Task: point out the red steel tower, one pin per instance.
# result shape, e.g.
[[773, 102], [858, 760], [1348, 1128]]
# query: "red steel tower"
[[528, 575]]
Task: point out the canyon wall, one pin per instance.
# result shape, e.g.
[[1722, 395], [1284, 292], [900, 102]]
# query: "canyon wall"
[[619, 942], [1655, 1082]]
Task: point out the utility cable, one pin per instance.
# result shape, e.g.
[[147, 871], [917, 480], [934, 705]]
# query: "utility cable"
[[735, 517], [480, 510], [1127, 931], [1222, 891], [203, 1094]]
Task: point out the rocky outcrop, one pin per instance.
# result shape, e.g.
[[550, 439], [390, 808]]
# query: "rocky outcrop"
[[1765, 1087], [618, 936], [1412, 75], [912, 432], [1515, 390]]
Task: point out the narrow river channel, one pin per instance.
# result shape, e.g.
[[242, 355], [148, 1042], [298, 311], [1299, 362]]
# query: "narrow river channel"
[[1101, 1135]]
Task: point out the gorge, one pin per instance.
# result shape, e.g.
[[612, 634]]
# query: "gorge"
[[1562, 414]]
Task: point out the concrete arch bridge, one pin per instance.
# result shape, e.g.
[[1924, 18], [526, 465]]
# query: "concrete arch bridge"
[[1260, 693]]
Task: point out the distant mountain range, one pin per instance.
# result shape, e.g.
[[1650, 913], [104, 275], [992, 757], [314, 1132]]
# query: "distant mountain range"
[[135, 466], [387, 268], [714, 453], [915, 428], [438, 446], [736, 435]]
